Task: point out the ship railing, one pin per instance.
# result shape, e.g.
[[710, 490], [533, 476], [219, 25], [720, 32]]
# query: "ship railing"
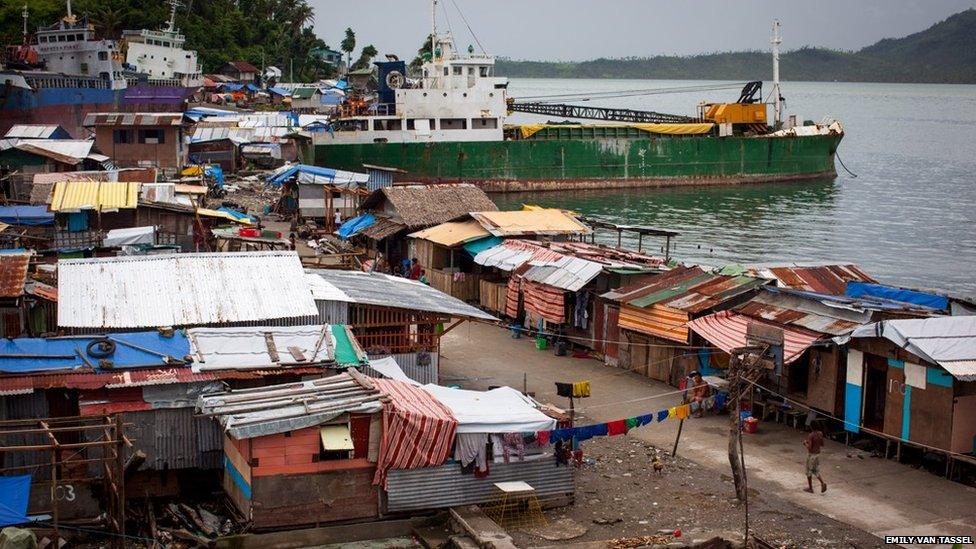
[[38, 82], [383, 109]]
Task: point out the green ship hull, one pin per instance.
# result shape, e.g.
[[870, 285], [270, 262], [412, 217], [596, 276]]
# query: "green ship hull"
[[597, 162]]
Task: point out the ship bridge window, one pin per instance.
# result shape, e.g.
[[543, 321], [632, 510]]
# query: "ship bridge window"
[[446, 71], [485, 124], [454, 124], [351, 125], [457, 71], [483, 71], [422, 125], [103, 56], [61, 38], [42, 39], [80, 37], [393, 125]]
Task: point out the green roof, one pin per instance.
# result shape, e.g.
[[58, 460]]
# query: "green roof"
[[304, 93]]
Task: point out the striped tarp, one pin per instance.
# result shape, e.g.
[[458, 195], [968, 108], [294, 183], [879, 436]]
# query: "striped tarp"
[[727, 330], [418, 430]]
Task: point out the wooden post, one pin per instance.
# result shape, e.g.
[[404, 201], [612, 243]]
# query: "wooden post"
[[674, 450], [54, 495], [735, 434], [572, 413], [120, 463], [667, 248], [640, 241]]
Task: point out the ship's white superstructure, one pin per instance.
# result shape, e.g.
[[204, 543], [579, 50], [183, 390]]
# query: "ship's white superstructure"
[[159, 54]]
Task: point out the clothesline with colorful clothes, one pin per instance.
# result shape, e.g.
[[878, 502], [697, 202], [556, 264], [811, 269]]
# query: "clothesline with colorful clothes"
[[622, 426]]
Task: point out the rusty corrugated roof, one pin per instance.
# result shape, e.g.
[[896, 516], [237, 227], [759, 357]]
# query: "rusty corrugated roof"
[[13, 273], [827, 279], [688, 289]]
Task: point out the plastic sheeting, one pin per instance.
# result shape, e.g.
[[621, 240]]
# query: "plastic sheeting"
[[475, 247], [315, 174], [26, 215], [501, 410], [133, 235], [389, 368], [14, 495], [134, 349], [864, 289], [356, 224], [251, 347]]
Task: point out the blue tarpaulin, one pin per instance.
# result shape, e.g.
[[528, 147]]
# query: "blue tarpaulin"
[[279, 91], [40, 354], [236, 214], [332, 97], [252, 88], [14, 495], [333, 176], [476, 246], [865, 289], [26, 215], [355, 225], [232, 87], [216, 173]]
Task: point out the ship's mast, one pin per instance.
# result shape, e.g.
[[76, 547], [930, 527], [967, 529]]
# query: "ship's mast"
[[433, 29], [24, 15], [171, 23], [777, 100], [70, 18]]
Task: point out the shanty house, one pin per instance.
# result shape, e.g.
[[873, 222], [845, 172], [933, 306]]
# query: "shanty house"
[[914, 380], [140, 139], [14, 309], [390, 316], [37, 131], [400, 208], [320, 192], [32, 156], [183, 290], [239, 71], [823, 279], [652, 319]]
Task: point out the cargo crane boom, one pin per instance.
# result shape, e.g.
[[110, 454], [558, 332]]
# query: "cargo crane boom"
[[599, 113]]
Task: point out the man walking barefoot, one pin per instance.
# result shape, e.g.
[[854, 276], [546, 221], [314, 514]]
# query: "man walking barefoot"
[[813, 443]]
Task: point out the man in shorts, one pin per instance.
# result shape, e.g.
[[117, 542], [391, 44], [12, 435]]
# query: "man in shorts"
[[813, 443]]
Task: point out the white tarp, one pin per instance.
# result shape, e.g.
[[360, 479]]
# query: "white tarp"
[[130, 236], [389, 368], [248, 347], [949, 341], [501, 410]]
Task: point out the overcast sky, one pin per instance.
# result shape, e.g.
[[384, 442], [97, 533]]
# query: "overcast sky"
[[587, 29]]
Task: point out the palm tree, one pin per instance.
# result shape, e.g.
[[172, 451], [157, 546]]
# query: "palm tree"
[[365, 57], [348, 45]]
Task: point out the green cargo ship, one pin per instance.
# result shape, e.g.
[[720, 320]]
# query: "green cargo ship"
[[449, 126]]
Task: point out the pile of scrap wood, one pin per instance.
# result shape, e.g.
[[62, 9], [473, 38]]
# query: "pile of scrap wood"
[[175, 525]]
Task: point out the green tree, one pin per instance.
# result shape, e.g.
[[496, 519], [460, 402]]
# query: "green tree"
[[348, 45], [422, 54], [365, 58]]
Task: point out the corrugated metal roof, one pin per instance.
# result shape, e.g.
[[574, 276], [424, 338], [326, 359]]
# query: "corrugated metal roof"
[[828, 279], [787, 309], [134, 119], [727, 330], [452, 233], [236, 135], [67, 151], [249, 413], [949, 341], [688, 289], [74, 196], [549, 222], [511, 254], [182, 290], [33, 131], [567, 273], [13, 274], [245, 348], [387, 291]]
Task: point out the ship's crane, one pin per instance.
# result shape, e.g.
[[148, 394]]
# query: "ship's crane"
[[598, 113]]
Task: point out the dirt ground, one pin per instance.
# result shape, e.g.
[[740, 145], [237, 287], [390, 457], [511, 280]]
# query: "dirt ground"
[[619, 495]]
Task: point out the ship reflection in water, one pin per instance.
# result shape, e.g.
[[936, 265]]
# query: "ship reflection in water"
[[760, 223]]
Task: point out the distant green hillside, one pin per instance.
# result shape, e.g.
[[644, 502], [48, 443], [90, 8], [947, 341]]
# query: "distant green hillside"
[[943, 53]]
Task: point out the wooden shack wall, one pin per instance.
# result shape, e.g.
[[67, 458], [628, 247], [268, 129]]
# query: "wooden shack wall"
[[467, 288], [237, 479], [656, 358], [825, 383], [491, 295], [964, 423]]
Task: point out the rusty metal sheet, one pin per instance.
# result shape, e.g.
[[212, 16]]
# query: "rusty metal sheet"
[[13, 274]]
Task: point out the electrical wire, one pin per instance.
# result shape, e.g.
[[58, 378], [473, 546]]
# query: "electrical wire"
[[534, 332]]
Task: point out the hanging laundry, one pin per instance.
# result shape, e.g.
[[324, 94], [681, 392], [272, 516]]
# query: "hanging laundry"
[[682, 412], [561, 435], [662, 415], [564, 389], [589, 431], [581, 389], [632, 423], [481, 473], [580, 313], [672, 412], [471, 448], [542, 438], [618, 427], [695, 406], [513, 442], [645, 419], [719, 401]]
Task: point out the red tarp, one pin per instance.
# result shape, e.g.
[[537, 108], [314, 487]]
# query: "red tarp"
[[418, 430], [542, 300], [727, 330]]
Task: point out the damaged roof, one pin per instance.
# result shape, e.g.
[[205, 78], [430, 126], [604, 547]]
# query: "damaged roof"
[[949, 341], [452, 233], [689, 289], [255, 347], [419, 206], [827, 279], [788, 309], [249, 413], [387, 291], [185, 289], [542, 222]]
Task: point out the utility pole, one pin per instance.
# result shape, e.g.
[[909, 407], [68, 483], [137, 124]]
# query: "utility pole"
[[777, 99]]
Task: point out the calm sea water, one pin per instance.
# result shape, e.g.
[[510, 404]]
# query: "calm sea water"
[[909, 217]]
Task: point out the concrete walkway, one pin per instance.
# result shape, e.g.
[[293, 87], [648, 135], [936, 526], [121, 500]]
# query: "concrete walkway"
[[879, 496]]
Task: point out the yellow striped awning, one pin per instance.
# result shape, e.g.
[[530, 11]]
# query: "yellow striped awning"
[[104, 196], [205, 212]]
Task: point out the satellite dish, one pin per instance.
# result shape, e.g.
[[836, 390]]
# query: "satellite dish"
[[395, 80]]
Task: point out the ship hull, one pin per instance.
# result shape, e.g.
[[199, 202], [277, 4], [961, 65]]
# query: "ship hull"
[[597, 163], [67, 107]]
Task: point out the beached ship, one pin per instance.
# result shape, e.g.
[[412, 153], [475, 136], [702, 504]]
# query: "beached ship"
[[450, 125], [65, 72]]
